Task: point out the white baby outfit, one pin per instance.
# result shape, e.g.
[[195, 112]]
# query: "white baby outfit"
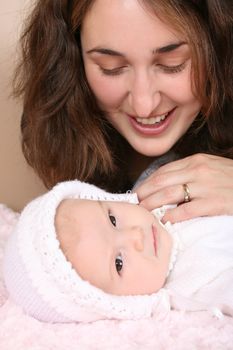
[[202, 276], [41, 280]]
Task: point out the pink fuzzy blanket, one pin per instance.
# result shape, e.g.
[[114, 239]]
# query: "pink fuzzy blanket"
[[179, 331]]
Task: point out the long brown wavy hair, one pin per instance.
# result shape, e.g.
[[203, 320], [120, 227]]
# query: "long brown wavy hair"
[[65, 135]]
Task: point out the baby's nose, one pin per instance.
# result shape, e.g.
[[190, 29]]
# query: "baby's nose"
[[136, 237]]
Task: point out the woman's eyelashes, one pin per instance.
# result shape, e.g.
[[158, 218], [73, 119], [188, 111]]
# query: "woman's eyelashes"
[[119, 263], [172, 69], [113, 71], [165, 68], [112, 219]]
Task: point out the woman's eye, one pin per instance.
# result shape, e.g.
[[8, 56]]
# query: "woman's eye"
[[119, 263], [112, 72], [112, 219], [173, 69]]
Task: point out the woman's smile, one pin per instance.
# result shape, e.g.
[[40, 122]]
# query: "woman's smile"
[[151, 125]]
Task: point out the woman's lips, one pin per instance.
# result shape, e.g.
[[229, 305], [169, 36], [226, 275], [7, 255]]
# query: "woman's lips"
[[154, 234], [152, 129]]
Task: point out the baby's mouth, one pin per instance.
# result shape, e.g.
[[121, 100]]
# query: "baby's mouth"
[[154, 234]]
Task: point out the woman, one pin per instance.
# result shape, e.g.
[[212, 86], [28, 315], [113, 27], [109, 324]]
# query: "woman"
[[110, 86]]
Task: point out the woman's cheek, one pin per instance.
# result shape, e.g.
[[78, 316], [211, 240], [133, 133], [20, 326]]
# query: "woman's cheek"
[[109, 91]]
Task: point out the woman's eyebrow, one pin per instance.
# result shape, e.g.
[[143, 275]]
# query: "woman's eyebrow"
[[105, 51], [168, 48], [159, 50]]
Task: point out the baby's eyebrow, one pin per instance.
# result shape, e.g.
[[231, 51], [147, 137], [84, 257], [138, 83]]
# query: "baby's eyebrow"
[[101, 207]]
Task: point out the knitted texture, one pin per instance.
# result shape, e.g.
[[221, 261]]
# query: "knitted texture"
[[41, 280], [202, 277]]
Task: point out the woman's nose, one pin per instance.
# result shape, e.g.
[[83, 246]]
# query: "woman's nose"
[[144, 96]]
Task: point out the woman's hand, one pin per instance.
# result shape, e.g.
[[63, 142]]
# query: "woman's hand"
[[210, 183]]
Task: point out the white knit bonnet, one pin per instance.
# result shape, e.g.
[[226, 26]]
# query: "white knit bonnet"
[[41, 280]]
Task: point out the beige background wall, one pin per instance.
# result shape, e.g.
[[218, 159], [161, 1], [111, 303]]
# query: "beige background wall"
[[18, 183]]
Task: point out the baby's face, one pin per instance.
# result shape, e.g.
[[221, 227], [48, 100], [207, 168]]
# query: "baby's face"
[[118, 247]]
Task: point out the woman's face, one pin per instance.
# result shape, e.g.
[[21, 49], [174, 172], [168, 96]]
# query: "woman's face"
[[139, 69]]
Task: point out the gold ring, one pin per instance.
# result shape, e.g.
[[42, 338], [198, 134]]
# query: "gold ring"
[[187, 197]]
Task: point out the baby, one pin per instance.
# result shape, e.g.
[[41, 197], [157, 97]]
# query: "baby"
[[118, 247], [79, 254]]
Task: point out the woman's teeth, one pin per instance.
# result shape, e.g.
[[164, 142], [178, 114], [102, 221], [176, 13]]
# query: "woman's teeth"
[[151, 121]]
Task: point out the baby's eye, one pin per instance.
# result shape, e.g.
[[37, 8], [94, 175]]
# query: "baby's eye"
[[112, 219], [119, 263]]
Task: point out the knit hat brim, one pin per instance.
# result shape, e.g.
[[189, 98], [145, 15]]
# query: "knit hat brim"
[[41, 280]]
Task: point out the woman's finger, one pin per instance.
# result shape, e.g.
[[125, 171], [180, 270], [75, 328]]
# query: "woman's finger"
[[209, 191], [190, 210], [175, 194], [167, 181], [215, 173], [190, 161], [177, 172]]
